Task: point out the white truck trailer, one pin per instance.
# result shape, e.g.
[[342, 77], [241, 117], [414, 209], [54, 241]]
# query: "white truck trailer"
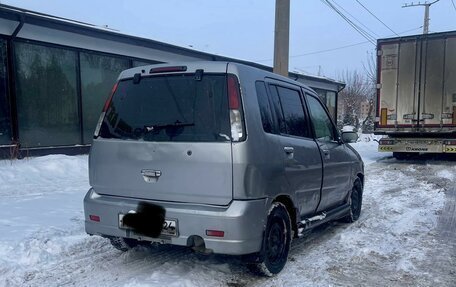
[[416, 94]]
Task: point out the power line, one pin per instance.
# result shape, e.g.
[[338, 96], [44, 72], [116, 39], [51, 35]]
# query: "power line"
[[358, 29], [361, 31], [426, 5], [454, 6], [338, 5], [377, 17], [348, 46], [330, 50], [337, 48], [319, 51]]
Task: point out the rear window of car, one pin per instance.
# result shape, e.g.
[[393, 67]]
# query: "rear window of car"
[[169, 108]]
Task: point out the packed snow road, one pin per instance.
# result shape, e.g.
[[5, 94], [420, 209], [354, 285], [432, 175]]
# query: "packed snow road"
[[404, 237]]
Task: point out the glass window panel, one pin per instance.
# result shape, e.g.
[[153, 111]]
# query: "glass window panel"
[[324, 129], [321, 94], [265, 109], [143, 63], [331, 104], [293, 112], [46, 96], [277, 109], [98, 75], [5, 122], [169, 108]]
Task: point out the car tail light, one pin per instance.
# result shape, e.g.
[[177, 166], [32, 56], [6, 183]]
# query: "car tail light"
[[105, 108], [95, 218], [215, 233], [234, 101], [168, 69], [383, 116], [450, 142], [387, 142], [108, 101]]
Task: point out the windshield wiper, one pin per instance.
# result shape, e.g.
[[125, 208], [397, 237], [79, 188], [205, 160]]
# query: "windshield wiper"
[[156, 128]]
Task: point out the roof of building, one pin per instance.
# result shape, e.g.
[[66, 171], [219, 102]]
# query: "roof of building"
[[23, 16]]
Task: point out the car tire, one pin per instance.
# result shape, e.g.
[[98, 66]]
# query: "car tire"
[[355, 201], [276, 242], [123, 244]]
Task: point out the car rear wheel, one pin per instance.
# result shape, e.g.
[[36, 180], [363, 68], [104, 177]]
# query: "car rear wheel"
[[355, 201], [276, 242]]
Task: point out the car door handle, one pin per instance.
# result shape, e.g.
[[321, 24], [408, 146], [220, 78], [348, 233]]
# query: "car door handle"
[[151, 176], [326, 153], [288, 150]]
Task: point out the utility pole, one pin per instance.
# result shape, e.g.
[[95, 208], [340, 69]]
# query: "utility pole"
[[281, 37], [426, 13]]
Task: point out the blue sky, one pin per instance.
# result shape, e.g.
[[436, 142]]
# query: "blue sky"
[[245, 28]]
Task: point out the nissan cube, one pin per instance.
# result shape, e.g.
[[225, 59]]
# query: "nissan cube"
[[221, 157]]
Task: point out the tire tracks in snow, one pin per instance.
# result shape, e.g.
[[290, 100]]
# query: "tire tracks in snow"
[[395, 242], [94, 262], [392, 242]]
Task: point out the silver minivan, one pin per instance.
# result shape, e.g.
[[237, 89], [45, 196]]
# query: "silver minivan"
[[221, 157]]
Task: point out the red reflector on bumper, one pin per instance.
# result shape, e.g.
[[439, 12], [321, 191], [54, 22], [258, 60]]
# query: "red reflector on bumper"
[[215, 233], [95, 218]]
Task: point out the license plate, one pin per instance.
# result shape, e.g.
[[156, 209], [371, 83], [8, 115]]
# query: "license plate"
[[169, 226]]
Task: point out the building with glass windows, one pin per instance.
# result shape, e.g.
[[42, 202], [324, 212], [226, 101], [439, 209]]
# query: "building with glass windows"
[[56, 73]]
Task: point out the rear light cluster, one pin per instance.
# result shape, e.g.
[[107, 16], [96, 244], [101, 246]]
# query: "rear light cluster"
[[234, 99], [449, 142], [215, 233], [95, 218], [383, 116], [387, 142], [168, 69], [105, 108]]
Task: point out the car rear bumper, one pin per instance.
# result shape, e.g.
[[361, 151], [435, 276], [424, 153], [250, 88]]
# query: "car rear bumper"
[[418, 145], [242, 222]]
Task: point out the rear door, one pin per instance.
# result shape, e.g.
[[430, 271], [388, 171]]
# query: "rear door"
[[399, 102], [418, 83], [337, 163], [302, 162], [166, 138], [437, 102]]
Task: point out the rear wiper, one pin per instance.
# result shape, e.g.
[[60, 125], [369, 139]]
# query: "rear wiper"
[[157, 128]]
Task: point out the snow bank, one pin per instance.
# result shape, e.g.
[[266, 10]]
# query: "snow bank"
[[43, 243], [40, 209], [367, 147]]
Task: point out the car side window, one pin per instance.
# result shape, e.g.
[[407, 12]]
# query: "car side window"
[[293, 112], [277, 109], [324, 129], [265, 108]]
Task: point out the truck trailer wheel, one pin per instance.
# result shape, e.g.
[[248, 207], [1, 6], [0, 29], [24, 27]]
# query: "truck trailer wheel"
[[276, 242]]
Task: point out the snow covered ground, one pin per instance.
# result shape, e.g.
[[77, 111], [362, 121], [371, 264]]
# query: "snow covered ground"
[[404, 237]]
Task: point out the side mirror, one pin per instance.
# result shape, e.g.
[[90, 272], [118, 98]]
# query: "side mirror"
[[349, 137]]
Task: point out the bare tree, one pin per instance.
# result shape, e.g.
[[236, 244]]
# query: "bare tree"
[[356, 91], [370, 69], [360, 90]]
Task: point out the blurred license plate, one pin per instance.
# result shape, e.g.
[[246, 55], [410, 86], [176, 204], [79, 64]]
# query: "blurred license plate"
[[169, 226]]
